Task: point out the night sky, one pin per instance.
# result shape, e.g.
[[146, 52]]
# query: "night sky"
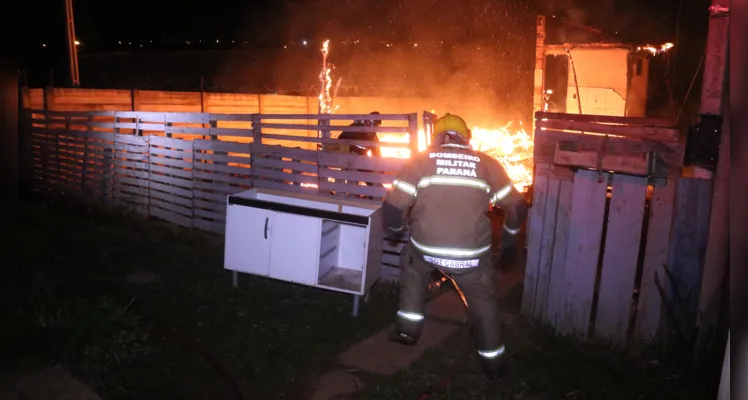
[[484, 47], [100, 24]]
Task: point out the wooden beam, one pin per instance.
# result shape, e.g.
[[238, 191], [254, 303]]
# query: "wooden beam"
[[635, 131], [714, 63], [629, 121], [560, 49], [716, 258], [713, 96], [539, 81]]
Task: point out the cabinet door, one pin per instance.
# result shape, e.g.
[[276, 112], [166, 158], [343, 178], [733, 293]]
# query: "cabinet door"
[[247, 247], [294, 248]]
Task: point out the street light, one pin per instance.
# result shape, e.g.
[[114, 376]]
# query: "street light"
[[72, 44]]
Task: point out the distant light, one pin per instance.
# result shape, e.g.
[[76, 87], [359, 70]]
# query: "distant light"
[[77, 43], [129, 43], [303, 42], [415, 44], [151, 41], [141, 45], [187, 41], [285, 47], [216, 40], [119, 41], [232, 41], [44, 45]]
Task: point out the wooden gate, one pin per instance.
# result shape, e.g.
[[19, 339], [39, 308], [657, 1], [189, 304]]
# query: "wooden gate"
[[600, 223]]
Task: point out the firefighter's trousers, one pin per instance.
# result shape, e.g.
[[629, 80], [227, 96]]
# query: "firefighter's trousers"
[[477, 285]]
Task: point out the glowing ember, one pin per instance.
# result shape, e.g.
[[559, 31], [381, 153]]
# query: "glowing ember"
[[656, 50]]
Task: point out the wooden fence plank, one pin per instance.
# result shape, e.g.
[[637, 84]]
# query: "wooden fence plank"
[[635, 131], [643, 121], [361, 162], [258, 173], [555, 298], [283, 164], [183, 189], [223, 178], [623, 238], [333, 128], [213, 158], [180, 144], [221, 145], [226, 169], [356, 176], [688, 242], [337, 117], [353, 189], [260, 150], [534, 240], [649, 308], [157, 158], [546, 247], [585, 234]]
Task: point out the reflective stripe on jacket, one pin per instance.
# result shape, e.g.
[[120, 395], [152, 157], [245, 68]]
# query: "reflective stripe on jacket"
[[446, 192]]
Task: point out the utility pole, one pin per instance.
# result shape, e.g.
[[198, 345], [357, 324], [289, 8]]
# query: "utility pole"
[[72, 44], [714, 103]]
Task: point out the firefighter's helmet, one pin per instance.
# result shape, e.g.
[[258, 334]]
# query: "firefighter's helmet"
[[373, 122], [452, 125]]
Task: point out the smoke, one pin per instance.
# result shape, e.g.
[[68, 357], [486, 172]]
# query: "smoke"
[[472, 57]]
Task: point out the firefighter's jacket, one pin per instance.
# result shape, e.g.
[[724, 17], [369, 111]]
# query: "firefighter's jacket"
[[356, 148], [444, 194]]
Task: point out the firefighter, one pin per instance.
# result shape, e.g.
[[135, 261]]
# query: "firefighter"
[[368, 136], [442, 196]]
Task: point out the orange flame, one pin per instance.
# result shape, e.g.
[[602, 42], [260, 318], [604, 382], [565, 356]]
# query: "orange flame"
[[655, 50]]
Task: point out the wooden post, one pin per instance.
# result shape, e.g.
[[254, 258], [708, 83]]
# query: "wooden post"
[[135, 99], [712, 102], [413, 132], [539, 86], [714, 63]]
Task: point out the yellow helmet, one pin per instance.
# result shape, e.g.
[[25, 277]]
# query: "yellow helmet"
[[452, 124]]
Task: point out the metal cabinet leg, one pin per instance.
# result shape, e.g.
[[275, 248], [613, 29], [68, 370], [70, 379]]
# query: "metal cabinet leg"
[[235, 278], [356, 301]]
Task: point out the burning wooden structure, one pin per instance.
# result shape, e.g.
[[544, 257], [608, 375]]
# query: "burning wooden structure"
[[609, 216], [591, 77]]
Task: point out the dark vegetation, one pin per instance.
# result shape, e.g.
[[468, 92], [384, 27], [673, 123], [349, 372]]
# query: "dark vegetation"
[[70, 302], [142, 310]]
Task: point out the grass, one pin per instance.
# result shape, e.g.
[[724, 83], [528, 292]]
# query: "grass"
[[190, 334], [69, 303]]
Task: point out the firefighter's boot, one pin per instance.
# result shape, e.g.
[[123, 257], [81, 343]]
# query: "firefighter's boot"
[[403, 338], [494, 363], [494, 370]]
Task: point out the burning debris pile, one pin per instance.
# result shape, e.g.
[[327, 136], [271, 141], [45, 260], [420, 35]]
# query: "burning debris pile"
[[511, 145]]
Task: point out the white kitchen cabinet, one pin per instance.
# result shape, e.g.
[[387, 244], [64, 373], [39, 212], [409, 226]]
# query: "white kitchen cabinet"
[[310, 240]]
